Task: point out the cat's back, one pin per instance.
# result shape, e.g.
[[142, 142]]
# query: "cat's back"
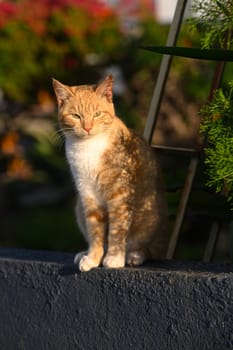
[[130, 151]]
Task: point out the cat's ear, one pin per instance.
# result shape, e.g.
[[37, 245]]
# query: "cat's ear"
[[62, 92], [104, 89]]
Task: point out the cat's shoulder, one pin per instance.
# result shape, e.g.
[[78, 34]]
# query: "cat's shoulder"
[[132, 138]]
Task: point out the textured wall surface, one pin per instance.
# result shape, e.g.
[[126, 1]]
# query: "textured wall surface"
[[45, 303]]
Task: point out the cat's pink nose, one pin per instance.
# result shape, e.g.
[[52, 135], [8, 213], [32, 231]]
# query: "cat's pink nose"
[[87, 129]]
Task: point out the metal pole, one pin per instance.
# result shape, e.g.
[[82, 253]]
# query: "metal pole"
[[212, 241], [163, 72], [182, 207], [188, 187]]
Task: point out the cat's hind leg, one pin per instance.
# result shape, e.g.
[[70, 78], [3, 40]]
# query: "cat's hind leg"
[[136, 251], [135, 257]]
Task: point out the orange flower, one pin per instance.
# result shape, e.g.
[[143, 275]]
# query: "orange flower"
[[9, 143], [19, 168]]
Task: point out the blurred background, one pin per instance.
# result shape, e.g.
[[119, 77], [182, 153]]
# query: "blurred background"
[[76, 42]]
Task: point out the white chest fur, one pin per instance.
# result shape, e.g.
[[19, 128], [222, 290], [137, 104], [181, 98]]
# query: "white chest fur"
[[84, 157]]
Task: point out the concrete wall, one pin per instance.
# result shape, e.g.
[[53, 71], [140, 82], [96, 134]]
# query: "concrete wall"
[[45, 303]]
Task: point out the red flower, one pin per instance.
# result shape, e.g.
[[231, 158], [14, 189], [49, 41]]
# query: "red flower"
[[7, 11], [36, 13]]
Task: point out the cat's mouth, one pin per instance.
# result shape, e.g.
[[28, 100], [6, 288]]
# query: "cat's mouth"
[[84, 134]]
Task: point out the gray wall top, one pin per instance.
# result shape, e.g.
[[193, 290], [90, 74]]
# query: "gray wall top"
[[46, 303]]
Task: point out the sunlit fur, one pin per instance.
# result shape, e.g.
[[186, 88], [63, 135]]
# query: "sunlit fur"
[[121, 207]]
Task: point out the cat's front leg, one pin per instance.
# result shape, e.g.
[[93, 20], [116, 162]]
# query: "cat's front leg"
[[95, 224], [120, 217]]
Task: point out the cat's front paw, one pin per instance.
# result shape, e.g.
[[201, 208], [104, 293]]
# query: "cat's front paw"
[[114, 261], [86, 263], [78, 257]]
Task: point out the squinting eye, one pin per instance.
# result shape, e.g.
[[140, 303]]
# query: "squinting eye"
[[97, 114], [77, 116]]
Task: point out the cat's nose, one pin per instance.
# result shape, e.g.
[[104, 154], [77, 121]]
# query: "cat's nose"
[[87, 129]]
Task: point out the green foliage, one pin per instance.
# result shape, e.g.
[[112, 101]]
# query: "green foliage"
[[218, 125], [215, 19]]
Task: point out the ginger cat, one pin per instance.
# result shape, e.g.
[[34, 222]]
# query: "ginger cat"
[[121, 207]]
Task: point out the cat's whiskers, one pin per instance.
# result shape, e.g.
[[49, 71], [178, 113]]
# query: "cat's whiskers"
[[59, 136]]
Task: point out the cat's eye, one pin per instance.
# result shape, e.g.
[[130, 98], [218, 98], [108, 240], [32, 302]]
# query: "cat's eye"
[[76, 115], [97, 114]]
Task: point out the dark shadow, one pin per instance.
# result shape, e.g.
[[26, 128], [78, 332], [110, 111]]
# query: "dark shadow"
[[69, 269], [36, 255], [189, 266]]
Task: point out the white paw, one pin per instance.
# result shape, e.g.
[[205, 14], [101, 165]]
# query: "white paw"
[[86, 263], [135, 258], [114, 261], [78, 257]]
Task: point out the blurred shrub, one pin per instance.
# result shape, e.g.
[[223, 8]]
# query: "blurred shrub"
[[218, 125], [215, 19], [39, 39], [73, 40]]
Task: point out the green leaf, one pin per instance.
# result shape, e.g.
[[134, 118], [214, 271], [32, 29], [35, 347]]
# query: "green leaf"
[[223, 8], [204, 54]]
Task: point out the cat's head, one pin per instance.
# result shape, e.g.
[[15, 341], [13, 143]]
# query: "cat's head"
[[85, 110]]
